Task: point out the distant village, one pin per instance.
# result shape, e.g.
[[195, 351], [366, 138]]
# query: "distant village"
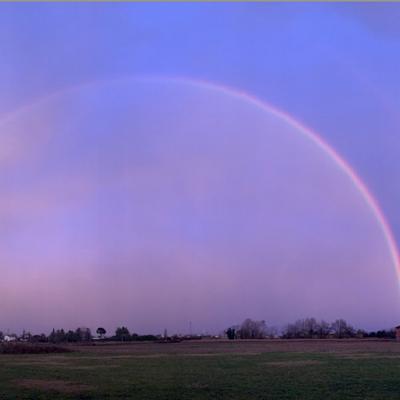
[[308, 328]]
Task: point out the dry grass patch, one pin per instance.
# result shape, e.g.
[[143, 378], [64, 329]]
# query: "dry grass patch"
[[150, 356], [218, 354], [91, 367], [293, 363], [366, 356], [54, 386], [39, 363]]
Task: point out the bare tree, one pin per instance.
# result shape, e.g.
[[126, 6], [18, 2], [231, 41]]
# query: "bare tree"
[[252, 329], [341, 329]]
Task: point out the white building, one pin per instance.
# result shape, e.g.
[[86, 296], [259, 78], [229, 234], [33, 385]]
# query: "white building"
[[10, 338]]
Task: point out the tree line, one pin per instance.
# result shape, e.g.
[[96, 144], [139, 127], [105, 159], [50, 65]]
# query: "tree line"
[[307, 328], [82, 334]]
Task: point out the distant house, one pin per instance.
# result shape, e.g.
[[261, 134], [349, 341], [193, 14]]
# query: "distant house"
[[10, 338], [398, 333]]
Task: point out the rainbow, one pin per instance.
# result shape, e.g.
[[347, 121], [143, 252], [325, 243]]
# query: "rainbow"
[[341, 163]]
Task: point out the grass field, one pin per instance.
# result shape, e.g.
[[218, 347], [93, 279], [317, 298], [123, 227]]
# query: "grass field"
[[316, 369]]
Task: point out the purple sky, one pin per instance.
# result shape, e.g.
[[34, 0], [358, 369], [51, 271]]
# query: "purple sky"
[[155, 202]]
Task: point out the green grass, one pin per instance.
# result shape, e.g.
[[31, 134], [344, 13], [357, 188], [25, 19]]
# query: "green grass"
[[96, 374]]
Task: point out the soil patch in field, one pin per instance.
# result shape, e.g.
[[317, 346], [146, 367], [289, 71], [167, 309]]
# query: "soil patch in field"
[[333, 346], [28, 348]]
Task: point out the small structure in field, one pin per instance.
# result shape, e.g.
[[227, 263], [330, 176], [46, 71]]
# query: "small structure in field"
[[398, 333]]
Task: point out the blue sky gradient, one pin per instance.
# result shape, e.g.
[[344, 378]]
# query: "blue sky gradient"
[[333, 67]]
